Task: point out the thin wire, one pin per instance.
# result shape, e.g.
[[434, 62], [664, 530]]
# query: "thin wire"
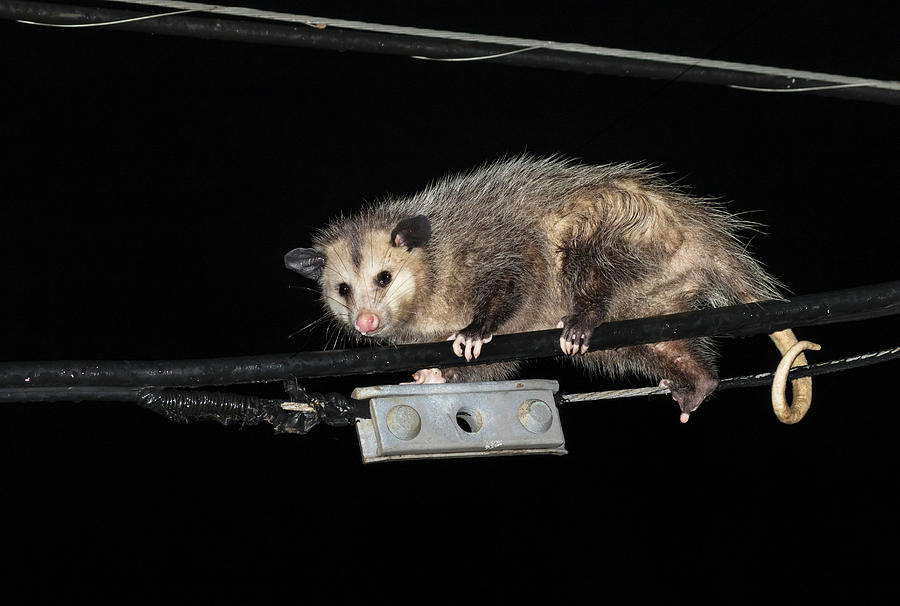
[[798, 90], [117, 22], [753, 380], [479, 58]]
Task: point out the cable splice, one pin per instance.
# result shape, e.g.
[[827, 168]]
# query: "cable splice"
[[298, 416]]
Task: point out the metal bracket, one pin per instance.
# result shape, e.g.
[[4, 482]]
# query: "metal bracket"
[[459, 420]]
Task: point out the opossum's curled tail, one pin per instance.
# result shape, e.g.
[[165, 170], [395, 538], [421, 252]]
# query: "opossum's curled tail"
[[792, 355], [737, 278], [749, 284]]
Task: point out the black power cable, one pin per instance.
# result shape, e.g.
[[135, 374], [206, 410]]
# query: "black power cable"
[[306, 410], [73, 380], [203, 25]]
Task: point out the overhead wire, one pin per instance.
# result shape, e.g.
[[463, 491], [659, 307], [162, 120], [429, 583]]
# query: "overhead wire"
[[273, 27], [749, 380], [19, 379]]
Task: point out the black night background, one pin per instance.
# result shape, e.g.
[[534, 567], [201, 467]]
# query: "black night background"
[[152, 184]]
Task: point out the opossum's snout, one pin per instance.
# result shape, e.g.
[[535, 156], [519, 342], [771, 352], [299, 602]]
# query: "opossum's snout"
[[367, 322]]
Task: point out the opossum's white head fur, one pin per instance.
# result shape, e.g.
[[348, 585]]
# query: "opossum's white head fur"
[[368, 275]]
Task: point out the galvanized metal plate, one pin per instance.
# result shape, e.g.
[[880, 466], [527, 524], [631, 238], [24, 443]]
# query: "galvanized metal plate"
[[459, 420]]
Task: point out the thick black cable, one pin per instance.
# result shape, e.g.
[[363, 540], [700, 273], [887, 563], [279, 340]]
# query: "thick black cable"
[[186, 405], [94, 393], [329, 38], [860, 303], [335, 409]]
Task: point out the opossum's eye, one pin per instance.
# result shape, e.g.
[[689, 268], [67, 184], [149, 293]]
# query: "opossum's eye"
[[344, 289], [383, 279]]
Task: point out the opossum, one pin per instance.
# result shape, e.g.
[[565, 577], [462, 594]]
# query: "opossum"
[[527, 244]]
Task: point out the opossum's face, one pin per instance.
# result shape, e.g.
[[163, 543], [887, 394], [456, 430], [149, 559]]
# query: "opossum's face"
[[368, 282]]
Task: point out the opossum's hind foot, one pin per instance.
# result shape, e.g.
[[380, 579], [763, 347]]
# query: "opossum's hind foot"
[[577, 330], [469, 340], [426, 375], [690, 397]]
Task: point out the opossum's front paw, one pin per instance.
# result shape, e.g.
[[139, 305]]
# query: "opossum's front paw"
[[427, 375], [577, 330], [469, 340]]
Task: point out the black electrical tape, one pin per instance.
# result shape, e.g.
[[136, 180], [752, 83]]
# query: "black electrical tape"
[[334, 408], [181, 405]]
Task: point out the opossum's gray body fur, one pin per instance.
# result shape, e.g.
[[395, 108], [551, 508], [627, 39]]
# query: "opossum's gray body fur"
[[524, 243]]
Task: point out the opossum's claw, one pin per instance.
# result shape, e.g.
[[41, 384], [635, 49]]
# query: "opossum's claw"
[[426, 375], [469, 340], [577, 330]]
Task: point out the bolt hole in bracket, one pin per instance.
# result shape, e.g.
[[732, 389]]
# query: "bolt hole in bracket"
[[448, 420]]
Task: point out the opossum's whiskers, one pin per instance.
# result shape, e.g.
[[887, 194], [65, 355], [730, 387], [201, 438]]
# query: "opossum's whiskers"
[[393, 295], [337, 335], [392, 282], [328, 328], [328, 267], [388, 301], [351, 338], [340, 276], [347, 272], [336, 301], [380, 266], [306, 288], [371, 291], [323, 318]]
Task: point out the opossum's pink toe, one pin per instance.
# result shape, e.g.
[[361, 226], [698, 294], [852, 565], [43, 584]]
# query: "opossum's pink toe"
[[427, 375], [560, 325], [685, 417]]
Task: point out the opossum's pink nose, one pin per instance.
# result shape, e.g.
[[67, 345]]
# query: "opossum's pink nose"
[[367, 322]]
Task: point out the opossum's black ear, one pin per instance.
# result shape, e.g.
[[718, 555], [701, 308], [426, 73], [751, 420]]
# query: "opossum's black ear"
[[307, 262], [411, 232]]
